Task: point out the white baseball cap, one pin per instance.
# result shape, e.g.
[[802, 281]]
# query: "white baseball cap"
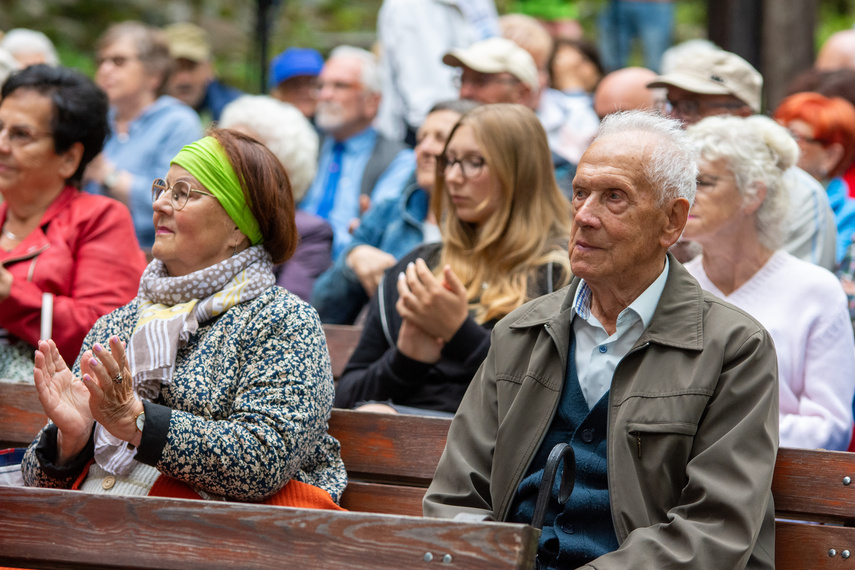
[[496, 55]]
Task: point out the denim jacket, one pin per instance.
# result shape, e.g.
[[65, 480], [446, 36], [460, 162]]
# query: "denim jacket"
[[394, 226]]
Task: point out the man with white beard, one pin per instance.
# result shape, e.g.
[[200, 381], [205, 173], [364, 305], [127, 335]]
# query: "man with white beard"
[[356, 165]]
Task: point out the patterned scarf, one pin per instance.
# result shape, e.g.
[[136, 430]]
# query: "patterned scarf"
[[170, 311]]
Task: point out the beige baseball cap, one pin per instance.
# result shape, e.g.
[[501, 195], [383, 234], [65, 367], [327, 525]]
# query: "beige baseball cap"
[[496, 55], [715, 72], [188, 41]]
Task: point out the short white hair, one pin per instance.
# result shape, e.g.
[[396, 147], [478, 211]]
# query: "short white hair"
[[284, 130], [22, 40], [673, 166], [370, 73], [757, 151]]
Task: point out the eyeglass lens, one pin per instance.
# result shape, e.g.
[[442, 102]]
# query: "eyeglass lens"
[[178, 194]]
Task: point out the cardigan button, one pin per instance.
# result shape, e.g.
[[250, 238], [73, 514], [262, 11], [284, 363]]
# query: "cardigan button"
[[108, 482], [588, 435], [567, 527]]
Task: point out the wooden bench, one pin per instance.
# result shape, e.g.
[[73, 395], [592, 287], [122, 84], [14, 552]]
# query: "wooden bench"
[[391, 460]]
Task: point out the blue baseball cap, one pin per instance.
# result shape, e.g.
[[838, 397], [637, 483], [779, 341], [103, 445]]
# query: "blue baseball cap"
[[293, 62]]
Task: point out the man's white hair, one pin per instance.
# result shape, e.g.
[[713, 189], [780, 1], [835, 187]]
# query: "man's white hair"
[[673, 166], [284, 130], [22, 40], [370, 73]]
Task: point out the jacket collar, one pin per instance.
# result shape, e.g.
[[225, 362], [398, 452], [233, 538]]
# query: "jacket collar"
[[37, 240], [677, 321]]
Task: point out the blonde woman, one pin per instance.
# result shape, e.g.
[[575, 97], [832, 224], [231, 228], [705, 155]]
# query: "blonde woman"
[[505, 228]]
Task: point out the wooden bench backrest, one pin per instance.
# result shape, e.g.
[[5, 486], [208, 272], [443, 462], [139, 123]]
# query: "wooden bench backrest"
[[390, 459]]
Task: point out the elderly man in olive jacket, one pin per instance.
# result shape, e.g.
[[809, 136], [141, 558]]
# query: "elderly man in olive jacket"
[[668, 395]]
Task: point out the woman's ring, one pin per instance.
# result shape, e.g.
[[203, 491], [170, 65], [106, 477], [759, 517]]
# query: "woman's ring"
[[118, 378]]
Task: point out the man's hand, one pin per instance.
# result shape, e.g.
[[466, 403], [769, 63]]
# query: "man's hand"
[[369, 264]]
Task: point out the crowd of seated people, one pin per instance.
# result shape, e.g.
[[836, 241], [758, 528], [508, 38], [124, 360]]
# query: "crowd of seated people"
[[170, 248]]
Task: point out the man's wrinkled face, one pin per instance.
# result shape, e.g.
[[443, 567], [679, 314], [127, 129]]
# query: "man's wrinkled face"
[[189, 81], [619, 230]]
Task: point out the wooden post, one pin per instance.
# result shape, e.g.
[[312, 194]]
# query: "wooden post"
[[775, 37], [788, 44]]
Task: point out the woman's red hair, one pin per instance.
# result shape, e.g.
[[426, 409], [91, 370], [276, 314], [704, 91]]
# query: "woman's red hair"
[[831, 118]]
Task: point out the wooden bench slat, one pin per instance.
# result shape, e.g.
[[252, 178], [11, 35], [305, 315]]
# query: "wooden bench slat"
[[390, 447], [50, 528], [387, 499], [810, 483], [21, 414], [805, 546]]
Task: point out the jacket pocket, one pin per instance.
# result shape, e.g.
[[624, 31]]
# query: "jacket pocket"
[[660, 451], [658, 432]]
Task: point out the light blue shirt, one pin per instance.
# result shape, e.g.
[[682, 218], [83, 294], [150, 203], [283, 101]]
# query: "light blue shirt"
[[357, 151], [153, 139], [597, 353]]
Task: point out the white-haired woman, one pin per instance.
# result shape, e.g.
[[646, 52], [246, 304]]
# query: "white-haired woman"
[[736, 218], [29, 47], [283, 129]]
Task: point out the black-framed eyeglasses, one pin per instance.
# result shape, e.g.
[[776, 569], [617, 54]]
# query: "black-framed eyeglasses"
[[179, 193], [470, 164], [693, 108], [22, 135], [482, 80]]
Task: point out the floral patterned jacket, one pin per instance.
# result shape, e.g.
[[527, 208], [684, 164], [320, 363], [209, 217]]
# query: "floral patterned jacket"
[[246, 412]]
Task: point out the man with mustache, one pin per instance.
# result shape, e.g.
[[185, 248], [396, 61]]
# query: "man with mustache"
[[356, 165]]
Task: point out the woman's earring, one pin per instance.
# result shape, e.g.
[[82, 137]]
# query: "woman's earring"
[[234, 252]]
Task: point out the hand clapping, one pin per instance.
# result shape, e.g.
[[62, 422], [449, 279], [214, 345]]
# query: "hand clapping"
[[433, 310]]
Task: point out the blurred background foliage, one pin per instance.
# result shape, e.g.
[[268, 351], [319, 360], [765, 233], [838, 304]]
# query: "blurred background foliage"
[[75, 25]]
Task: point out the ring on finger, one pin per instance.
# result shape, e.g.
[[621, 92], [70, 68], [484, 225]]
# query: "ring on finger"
[[118, 379]]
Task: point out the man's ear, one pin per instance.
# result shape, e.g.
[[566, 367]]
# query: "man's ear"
[[676, 213]]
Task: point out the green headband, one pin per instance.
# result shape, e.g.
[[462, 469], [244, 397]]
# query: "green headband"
[[206, 160]]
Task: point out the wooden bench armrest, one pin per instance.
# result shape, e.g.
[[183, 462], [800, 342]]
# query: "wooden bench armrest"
[[49, 528]]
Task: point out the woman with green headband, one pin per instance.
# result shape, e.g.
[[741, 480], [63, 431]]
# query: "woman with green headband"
[[213, 382]]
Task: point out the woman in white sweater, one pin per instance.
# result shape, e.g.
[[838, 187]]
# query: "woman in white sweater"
[[737, 218]]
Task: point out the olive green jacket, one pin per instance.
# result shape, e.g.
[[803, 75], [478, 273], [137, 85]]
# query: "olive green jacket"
[[692, 429]]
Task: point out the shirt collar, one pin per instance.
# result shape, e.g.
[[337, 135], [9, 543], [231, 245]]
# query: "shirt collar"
[[644, 305]]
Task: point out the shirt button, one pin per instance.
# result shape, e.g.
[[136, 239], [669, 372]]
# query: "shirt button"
[[588, 435], [108, 482], [603, 349], [567, 527]]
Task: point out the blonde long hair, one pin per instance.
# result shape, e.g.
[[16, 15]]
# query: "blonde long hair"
[[499, 261]]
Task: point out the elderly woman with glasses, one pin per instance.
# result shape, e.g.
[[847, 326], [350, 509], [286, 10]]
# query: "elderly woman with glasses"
[[736, 217], [505, 228], [213, 381], [66, 257], [147, 128]]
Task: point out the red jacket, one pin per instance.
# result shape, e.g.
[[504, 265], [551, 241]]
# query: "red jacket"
[[85, 252]]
